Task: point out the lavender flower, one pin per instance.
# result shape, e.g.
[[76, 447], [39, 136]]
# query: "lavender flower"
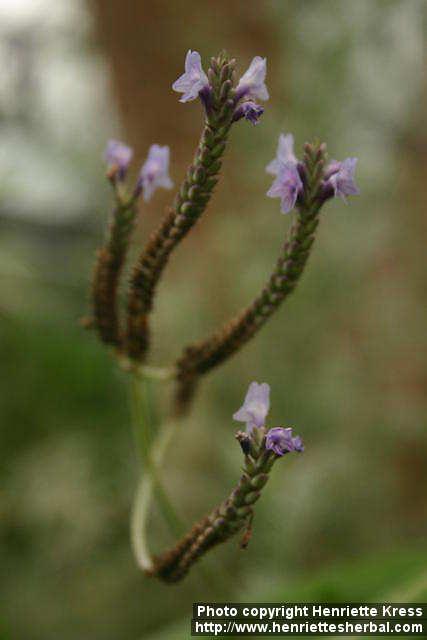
[[252, 82], [255, 406], [284, 154], [155, 171], [287, 186], [340, 177], [249, 110], [194, 80], [118, 157], [280, 441]]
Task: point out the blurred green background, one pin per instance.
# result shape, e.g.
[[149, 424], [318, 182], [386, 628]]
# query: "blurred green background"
[[345, 357]]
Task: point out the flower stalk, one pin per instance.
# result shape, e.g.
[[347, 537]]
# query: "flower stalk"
[[303, 186]]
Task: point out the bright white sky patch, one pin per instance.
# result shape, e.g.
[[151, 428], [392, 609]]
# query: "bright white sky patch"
[[22, 13], [54, 101]]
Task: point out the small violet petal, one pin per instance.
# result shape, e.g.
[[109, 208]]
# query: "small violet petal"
[[252, 83], [284, 154], [155, 171], [119, 155], [194, 80], [280, 441], [340, 176], [255, 406], [298, 444], [249, 110], [287, 186]]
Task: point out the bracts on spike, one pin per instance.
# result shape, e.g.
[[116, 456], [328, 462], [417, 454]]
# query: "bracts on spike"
[[201, 357], [190, 203], [108, 268]]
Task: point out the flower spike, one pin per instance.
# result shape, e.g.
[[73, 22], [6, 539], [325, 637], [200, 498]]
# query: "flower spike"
[[305, 184], [201, 357], [192, 197], [261, 450], [112, 255], [194, 80]]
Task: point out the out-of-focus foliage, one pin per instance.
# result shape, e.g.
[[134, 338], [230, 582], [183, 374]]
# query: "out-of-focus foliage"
[[345, 358]]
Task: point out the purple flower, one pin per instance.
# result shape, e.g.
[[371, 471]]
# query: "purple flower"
[[287, 186], [194, 80], [255, 406], [340, 178], [280, 441], [118, 157], [252, 82], [155, 171], [249, 110], [284, 154]]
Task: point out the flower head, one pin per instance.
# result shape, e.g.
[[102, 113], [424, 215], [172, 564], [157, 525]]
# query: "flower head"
[[252, 82], [340, 177], [194, 80], [118, 157], [249, 110], [284, 154], [287, 186], [155, 171], [255, 406], [280, 441]]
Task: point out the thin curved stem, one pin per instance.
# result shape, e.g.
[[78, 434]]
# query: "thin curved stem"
[[145, 427], [138, 524], [149, 483]]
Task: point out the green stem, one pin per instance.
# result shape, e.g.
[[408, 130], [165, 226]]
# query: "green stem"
[[145, 427]]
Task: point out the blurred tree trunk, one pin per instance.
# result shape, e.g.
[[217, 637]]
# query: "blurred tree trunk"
[[409, 256]]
